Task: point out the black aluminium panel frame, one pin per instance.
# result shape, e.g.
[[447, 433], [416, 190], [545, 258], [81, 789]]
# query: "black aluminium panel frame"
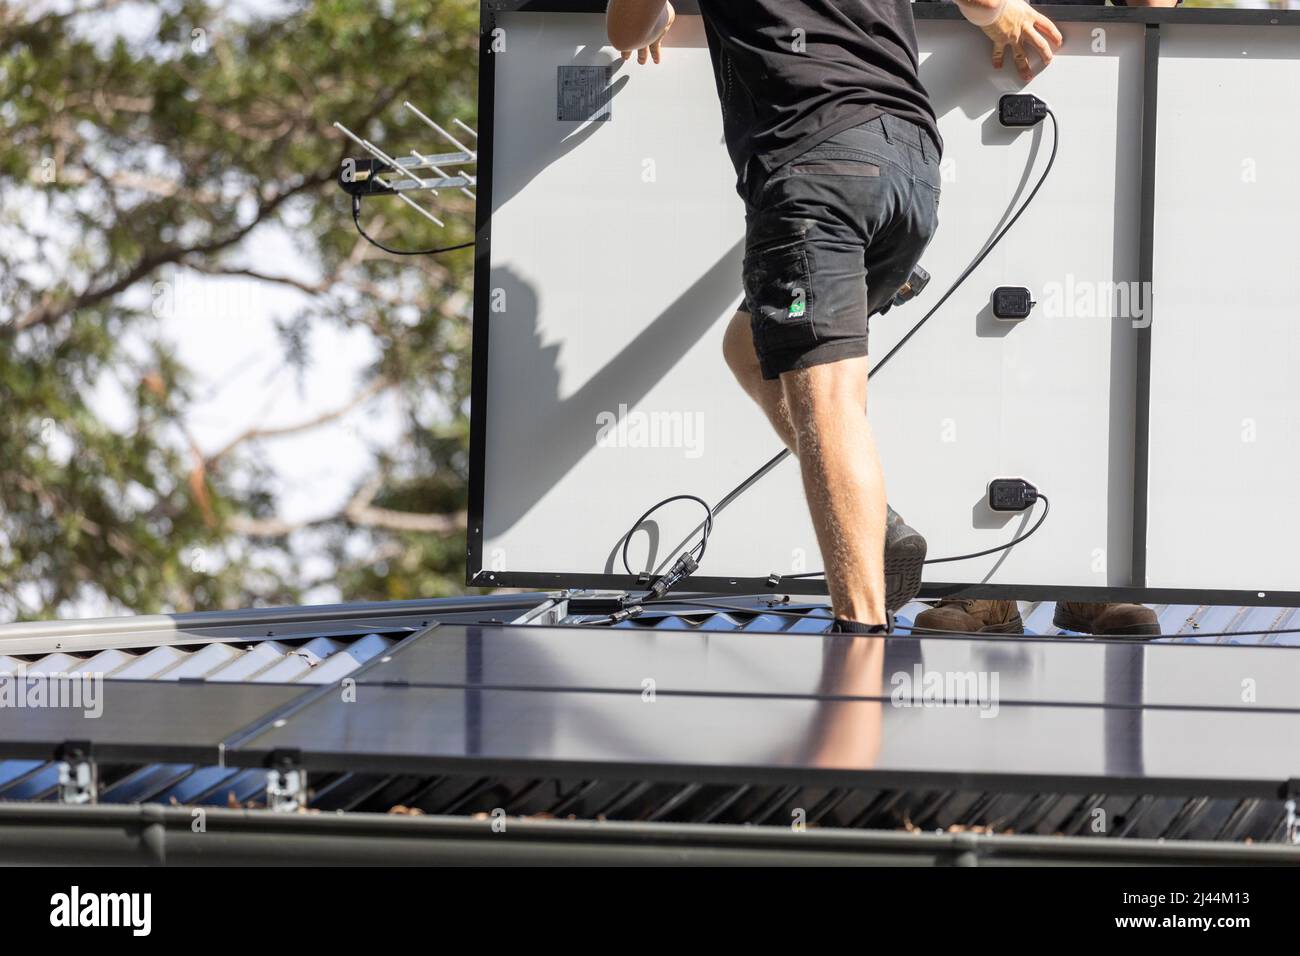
[[478, 576], [1146, 268], [147, 720]]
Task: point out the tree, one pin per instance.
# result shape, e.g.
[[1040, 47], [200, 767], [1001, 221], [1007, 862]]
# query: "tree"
[[128, 162]]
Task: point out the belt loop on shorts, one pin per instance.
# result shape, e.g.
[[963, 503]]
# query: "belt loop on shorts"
[[884, 128]]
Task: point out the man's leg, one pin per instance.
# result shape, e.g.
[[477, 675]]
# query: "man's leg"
[[843, 482], [738, 350], [904, 548], [837, 457]]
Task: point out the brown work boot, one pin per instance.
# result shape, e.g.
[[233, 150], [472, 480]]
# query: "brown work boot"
[[972, 617], [1115, 620]]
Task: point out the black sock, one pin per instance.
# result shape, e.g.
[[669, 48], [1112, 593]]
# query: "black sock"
[[843, 626]]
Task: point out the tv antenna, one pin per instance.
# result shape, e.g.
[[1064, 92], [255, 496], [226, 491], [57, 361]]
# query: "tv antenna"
[[381, 174]]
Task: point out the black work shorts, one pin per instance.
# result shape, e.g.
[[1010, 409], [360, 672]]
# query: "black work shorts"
[[831, 236]]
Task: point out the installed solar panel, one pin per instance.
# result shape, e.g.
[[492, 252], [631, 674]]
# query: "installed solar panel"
[[132, 720], [746, 739], [1045, 671]]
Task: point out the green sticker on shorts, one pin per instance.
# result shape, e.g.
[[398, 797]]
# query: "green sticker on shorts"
[[797, 309]]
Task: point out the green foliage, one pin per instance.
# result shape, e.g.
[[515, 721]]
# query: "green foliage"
[[125, 161]]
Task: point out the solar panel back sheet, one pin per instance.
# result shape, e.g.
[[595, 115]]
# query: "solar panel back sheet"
[[613, 267]]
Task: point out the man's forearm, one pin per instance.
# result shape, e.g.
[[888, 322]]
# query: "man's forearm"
[[635, 24]]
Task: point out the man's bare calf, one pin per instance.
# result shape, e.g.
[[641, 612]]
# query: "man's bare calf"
[[738, 350], [819, 412]]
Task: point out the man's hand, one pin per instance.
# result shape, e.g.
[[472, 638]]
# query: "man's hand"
[[1021, 27], [624, 20]]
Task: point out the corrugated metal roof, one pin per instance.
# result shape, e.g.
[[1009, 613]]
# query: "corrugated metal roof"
[[319, 660], [1179, 623]]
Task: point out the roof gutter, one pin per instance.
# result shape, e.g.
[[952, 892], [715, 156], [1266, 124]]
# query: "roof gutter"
[[157, 835]]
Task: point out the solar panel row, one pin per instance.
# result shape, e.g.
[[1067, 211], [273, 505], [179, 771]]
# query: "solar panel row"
[[992, 714]]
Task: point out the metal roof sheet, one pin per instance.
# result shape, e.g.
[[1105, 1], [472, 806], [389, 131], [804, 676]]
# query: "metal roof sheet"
[[1179, 623], [315, 661], [318, 661]]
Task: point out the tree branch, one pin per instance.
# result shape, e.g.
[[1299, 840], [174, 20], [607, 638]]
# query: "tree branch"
[[362, 513], [47, 311], [359, 512], [311, 288], [370, 391]]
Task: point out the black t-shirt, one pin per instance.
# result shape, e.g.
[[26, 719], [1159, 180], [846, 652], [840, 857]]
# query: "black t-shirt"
[[792, 73]]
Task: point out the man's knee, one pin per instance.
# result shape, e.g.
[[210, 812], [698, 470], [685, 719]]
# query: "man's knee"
[[832, 389]]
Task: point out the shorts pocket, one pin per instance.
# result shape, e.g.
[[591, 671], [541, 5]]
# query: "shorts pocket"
[[826, 167], [930, 196], [778, 291]]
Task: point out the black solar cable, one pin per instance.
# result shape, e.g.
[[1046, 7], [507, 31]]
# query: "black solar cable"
[[356, 220]]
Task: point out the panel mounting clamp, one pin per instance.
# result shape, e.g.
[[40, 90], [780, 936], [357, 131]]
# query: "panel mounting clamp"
[[286, 782], [78, 774]]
